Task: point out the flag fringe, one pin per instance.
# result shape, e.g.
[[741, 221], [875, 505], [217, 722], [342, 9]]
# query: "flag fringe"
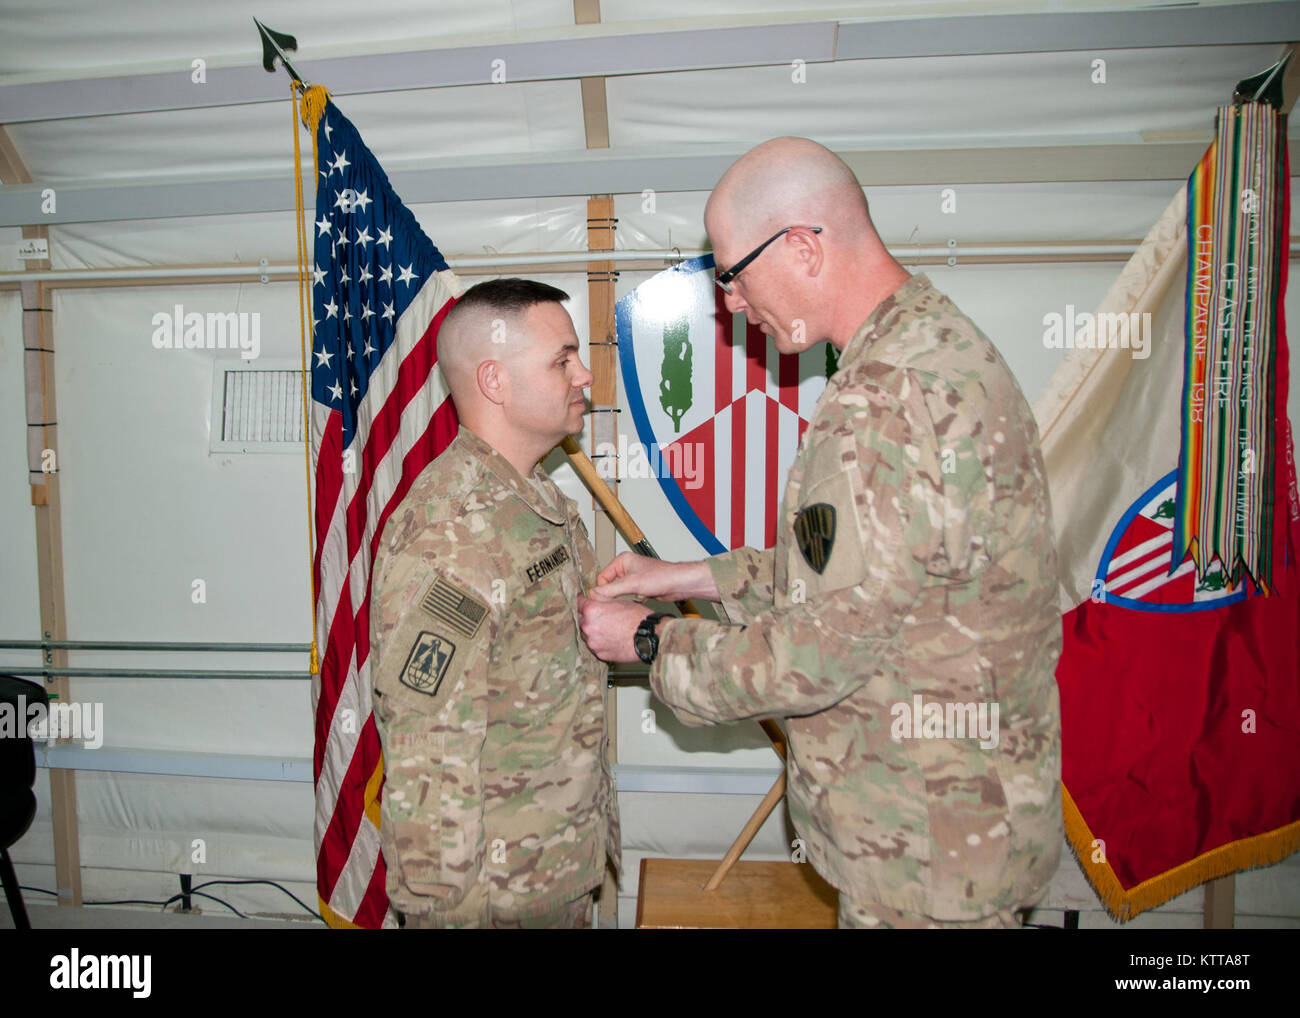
[[332, 918], [1123, 904]]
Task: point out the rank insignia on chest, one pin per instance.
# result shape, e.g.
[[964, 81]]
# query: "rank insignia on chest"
[[427, 663], [814, 530]]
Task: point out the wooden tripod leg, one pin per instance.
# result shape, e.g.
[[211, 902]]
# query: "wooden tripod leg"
[[747, 834]]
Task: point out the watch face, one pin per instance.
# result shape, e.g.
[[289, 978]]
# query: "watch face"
[[645, 645]]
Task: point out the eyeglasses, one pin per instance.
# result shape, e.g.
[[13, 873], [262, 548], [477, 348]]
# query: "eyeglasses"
[[723, 279]]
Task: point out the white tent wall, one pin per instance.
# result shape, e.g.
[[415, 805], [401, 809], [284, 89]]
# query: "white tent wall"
[[147, 507]]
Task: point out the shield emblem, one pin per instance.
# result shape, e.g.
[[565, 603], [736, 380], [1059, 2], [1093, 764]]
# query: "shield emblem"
[[814, 530], [1137, 569], [427, 662], [719, 412]]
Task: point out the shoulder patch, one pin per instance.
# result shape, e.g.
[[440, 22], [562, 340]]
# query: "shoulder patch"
[[460, 610], [427, 663], [814, 529]]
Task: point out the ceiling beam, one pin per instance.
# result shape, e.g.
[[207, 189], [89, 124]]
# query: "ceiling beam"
[[598, 172], [1219, 25], [595, 107], [596, 51], [602, 50]]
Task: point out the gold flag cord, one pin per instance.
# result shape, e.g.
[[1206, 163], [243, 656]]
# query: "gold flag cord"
[[314, 101]]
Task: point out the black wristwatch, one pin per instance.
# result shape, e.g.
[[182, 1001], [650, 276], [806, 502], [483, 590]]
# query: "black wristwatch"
[[645, 641]]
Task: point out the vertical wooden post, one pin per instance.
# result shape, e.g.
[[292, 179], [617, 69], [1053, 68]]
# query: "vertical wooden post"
[[603, 429], [1220, 903], [604, 362], [43, 466]]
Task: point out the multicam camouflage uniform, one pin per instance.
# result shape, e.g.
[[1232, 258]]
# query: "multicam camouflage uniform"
[[915, 558], [499, 805]]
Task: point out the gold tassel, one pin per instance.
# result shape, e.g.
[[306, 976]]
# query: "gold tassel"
[[313, 106]]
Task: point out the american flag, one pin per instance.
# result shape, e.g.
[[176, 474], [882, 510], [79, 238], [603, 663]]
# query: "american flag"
[[380, 414]]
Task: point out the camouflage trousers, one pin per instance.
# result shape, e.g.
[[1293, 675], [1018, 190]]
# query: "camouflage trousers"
[[476, 912], [857, 916]]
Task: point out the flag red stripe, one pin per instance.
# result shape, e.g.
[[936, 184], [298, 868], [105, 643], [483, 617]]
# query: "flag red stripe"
[[755, 359], [773, 447], [349, 808], [374, 906], [788, 371], [738, 473], [722, 326], [329, 483]]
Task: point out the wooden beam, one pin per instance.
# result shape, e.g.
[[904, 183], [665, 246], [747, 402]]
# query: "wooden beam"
[[12, 170], [595, 110], [1220, 904], [604, 386], [42, 465]]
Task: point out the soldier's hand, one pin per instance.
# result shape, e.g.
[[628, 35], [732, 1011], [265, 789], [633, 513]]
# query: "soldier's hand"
[[609, 626], [653, 578]]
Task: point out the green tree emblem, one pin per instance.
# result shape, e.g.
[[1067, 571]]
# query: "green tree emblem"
[[1213, 581], [1166, 510], [675, 375]]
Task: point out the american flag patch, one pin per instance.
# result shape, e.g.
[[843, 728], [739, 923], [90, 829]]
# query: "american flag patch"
[[463, 612]]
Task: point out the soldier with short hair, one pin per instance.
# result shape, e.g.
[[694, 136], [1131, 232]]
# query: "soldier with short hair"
[[499, 807], [912, 593]]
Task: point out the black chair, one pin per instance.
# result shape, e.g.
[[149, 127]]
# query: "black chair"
[[17, 775]]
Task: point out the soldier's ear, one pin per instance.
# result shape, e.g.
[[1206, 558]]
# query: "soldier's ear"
[[808, 249], [491, 382]]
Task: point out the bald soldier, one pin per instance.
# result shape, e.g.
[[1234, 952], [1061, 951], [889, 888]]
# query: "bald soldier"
[[906, 623], [499, 807]]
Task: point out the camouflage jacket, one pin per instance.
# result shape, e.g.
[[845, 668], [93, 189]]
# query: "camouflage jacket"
[[490, 708], [912, 587]]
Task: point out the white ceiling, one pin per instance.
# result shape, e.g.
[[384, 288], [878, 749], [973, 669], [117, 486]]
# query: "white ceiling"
[[982, 117]]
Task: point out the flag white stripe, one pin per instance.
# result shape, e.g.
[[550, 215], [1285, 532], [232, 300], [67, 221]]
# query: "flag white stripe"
[[1160, 581], [721, 480], [350, 889], [1140, 551], [1145, 568], [755, 468]]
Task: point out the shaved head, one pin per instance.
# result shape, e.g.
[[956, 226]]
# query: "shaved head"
[[485, 324], [782, 182], [513, 364], [823, 266]]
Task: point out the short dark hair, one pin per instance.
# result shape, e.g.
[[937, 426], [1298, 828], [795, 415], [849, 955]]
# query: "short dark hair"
[[509, 296]]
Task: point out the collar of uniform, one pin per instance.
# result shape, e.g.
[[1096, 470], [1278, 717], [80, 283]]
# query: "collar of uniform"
[[504, 471], [882, 319]]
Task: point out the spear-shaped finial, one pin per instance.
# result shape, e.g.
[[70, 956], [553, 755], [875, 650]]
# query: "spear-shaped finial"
[[273, 45]]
